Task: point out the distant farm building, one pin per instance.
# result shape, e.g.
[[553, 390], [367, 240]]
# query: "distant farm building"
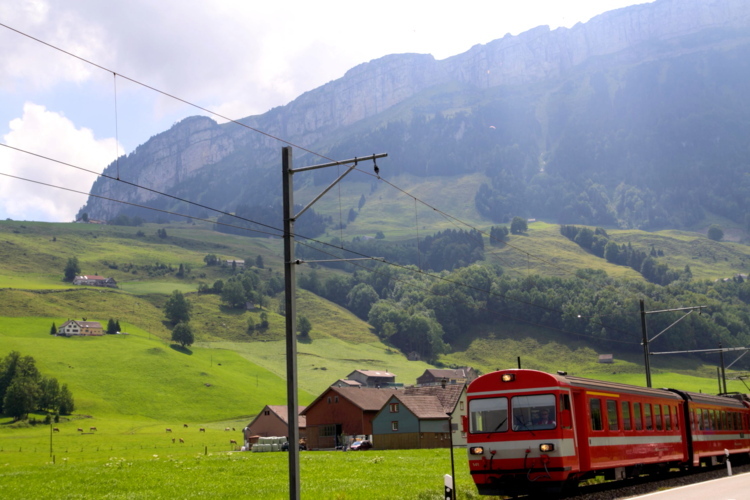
[[272, 421], [606, 358], [435, 376], [80, 328], [93, 280], [372, 378]]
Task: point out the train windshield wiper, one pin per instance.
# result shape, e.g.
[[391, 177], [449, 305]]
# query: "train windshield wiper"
[[498, 427]]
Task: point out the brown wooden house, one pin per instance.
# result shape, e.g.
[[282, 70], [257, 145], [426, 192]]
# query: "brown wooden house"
[[272, 421], [343, 411]]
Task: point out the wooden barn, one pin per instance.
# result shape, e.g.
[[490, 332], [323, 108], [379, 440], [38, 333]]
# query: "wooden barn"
[[340, 412]]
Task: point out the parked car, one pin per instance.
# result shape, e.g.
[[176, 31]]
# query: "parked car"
[[360, 445]]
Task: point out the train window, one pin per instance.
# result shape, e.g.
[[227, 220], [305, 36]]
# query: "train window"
[[706, 420], [637, 416], [712, 418], [533, 412], [612, 415], [647, 416], [595, 406], [676, 418], [657, 417], [489, 415], [625, 410], [667, 419]]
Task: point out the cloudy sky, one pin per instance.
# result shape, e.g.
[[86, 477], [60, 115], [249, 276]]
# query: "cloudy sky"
[[237, 57]]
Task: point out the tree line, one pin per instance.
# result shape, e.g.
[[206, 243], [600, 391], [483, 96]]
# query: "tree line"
[[424, 314], [24, 390], [597, 242]]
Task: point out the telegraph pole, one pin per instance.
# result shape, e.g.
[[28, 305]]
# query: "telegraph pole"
[[290, 283]]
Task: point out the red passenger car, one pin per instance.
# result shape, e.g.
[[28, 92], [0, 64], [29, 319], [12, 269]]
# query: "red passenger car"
[[528, 429]]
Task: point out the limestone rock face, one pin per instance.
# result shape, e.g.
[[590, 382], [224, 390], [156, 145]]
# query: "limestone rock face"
[[191, 148]]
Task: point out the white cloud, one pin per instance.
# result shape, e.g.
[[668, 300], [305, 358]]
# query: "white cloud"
[[52, 135]]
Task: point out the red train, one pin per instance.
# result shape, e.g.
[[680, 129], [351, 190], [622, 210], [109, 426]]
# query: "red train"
[[530, 430]]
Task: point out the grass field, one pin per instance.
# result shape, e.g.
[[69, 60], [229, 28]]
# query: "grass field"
[[396, 475]]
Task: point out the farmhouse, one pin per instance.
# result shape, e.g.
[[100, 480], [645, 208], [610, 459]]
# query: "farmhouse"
[[421, 417], [83, 328], [93, 280], [434, 376], [372, 378], [272, 421], [408, 422], [343, 411]]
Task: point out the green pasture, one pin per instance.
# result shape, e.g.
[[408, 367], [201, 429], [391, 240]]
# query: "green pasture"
[[322, 362], [159, 473], [139, 376]]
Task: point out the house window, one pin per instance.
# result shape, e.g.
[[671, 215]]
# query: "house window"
[[394, 407], [461, 405], [327, 430], [394, 425], [329, 399], [336, 399], [267, 412]]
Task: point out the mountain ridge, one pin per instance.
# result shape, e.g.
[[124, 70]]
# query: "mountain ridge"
[[202, 160]]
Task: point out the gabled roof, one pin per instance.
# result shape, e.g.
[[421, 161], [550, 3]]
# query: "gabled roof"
[[82, 324], [352, 383], [423, 407], [448, 395], [90, 277], [365, 398], [281, 412], [449, 373], [374, 373]]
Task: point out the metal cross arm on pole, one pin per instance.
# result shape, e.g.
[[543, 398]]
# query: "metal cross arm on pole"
[[725, 349], [354, 162]]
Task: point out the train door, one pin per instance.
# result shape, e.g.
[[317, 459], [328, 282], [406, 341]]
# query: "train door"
[[581, 426], [566, 418]]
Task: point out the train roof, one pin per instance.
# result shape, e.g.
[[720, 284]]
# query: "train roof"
[[602, 385], [543, 379], [699, 397]]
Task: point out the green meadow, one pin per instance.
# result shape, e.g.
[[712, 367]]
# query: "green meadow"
[[132, 387]]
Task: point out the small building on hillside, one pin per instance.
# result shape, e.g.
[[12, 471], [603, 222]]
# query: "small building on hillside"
[[94, 280], [436, 376], [342, 382], [341, 412], [80, 328], [372, 378], [273, 421], [606, 358]]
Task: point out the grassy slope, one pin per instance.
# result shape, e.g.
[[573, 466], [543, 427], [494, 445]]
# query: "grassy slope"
[[339, 342], [140, 377]]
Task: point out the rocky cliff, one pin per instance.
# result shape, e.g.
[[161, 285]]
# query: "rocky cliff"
[[178, 160]]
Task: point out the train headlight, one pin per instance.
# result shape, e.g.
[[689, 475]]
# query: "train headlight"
[[508, 377], [476, 450], [546, 447]]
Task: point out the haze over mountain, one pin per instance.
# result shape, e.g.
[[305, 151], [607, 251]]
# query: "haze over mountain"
[[637, 118]]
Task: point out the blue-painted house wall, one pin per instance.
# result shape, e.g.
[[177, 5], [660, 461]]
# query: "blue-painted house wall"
[[407, 421]]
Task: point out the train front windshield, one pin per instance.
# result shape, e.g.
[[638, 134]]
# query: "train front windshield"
[[529, 413]]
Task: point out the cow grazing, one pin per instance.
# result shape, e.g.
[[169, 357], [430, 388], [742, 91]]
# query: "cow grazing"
[[232, 441], [172, 440], [185, 425], [92, 429], [80, 430], [55, 429], [182, 440], [226, 428], [201, 430], [168, 429]]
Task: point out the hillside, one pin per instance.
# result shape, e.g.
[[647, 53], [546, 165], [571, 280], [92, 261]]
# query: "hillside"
[[634, 119]]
